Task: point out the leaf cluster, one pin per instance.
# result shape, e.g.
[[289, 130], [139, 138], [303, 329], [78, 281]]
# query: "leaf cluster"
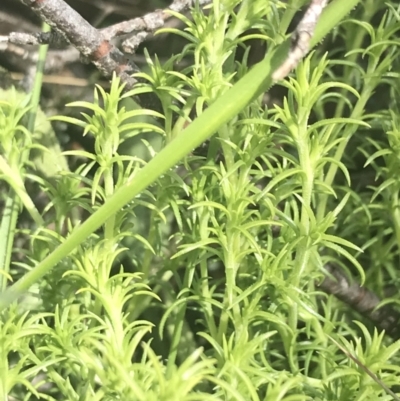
[[203, 284]]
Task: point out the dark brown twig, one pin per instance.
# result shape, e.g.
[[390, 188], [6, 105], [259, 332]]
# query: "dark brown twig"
[[90, 43], [361, 300], [70, 27], [88, 40], [140, 27]]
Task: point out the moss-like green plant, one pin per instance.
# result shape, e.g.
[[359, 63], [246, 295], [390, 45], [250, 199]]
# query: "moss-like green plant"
[[193, 275]]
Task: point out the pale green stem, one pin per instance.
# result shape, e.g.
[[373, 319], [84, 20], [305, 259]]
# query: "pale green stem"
[[15, 181], [347, 133], [7, 233], [357, 41], [109, 225], [17, 193], [292, 8], [205, 291], [225, 107], [396, 215], [307, 167], [303, 249]]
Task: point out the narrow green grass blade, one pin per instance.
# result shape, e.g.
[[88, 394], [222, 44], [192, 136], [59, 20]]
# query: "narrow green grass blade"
[[13, 201], [252, 85]]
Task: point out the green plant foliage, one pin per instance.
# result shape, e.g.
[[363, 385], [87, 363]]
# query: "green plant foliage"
[[193, 275]]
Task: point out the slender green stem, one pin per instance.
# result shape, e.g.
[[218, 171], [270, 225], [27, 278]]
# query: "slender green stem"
[[291, 9], [109, 226], [177, 329], [252, 85], [37, 85], [205, 291], [396, 215], [357, 40], [7, 233], [307, 167], [347, 133], [17, 195]]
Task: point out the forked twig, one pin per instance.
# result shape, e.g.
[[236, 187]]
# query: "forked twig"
[[70, 27], [143, 27], [88, 40], [140, 27]]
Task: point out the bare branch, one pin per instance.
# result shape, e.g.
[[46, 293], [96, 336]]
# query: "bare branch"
[[39, 38], [90, 42], [301, 39], [70, 27], [361, 300], [143, 27]]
